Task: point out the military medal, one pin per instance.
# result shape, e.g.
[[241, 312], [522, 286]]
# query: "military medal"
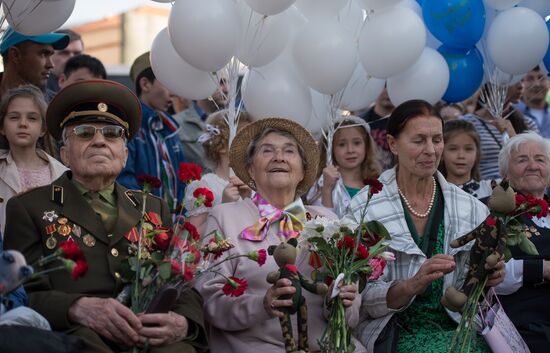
[[49, 216], [89, 240], [64, 230], [77, 231], [62, 220], [50, 229], [132, 235], [51, 242]]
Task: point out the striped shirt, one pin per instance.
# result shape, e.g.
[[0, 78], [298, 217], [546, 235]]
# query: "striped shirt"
[[491, 141]]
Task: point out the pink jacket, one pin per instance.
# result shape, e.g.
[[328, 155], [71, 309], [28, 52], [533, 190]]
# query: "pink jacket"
[[241, 324]]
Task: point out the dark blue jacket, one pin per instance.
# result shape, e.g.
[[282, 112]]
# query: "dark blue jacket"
[[144, 155]]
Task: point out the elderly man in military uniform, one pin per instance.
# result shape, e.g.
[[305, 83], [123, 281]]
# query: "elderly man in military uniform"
[[94, 119]]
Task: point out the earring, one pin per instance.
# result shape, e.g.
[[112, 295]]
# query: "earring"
[[252, 184]]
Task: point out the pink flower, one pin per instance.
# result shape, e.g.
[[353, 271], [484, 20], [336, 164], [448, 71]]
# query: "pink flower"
[[377, 264], [259, 256]]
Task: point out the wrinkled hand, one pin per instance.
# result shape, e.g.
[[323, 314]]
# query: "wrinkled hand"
[[498, 275], [234, 190], [108, 318], [271, 298], [348, 293], [503, 125], [163, 329], [330, 177], [432, 269]]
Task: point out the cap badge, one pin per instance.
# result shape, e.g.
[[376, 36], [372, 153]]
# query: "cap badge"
[[102, 107]]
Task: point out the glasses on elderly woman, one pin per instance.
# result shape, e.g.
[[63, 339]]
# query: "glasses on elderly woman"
[[87, 132]]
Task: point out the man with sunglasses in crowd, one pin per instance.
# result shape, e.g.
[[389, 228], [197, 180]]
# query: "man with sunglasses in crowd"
[[95, 119]]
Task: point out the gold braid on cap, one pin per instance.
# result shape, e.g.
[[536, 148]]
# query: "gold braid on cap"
[[73, 115]]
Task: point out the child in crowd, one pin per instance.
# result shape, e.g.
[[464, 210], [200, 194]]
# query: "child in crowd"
[[460, 160], [23, 165], [354, 157], [226, 188]]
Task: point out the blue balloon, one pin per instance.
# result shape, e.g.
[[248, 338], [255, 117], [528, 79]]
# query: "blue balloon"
[[456, 23], [466, 69], [546, 59]]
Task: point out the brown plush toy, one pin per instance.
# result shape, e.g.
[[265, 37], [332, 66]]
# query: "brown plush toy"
[[489, 246], [285, 255]]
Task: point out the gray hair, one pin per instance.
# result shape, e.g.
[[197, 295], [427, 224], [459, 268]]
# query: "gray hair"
[[252, 146], [514, 144]]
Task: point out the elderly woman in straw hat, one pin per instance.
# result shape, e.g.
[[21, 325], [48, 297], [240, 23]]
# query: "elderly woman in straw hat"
[[277, 158]]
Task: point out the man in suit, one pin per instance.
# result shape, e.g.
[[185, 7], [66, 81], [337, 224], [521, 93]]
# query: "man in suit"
[[94, 119]]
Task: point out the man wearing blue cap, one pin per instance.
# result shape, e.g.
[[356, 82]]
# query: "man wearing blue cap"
[[27, 59]]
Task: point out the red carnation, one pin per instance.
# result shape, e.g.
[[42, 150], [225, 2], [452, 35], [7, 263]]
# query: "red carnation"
[[346, 242], [375, 186], [150, 180], [189, 172], [78, 268], [204, 197], [235, 287], [176, 267], [491, 221], [543, 208], [314, 260], [192, 231], [520, 200], [362, 251], [188, 273], [259, 256], [70, 250], [162, 240]]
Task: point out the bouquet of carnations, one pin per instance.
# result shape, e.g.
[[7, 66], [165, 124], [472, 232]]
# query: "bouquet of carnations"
[[163, 262], [501, 230], [345, 253]]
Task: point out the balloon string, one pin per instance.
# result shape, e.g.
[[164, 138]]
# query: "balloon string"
[[334, 122]]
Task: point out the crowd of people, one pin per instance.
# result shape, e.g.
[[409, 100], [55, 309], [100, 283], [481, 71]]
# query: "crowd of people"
[[74, 144]]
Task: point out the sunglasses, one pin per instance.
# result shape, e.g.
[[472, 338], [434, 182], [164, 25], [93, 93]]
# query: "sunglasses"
[[87, 132]]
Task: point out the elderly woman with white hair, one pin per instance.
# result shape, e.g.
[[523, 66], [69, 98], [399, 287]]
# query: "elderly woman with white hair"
[[525, 162]]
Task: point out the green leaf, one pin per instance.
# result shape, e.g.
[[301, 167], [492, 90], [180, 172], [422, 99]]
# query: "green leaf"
[[375, 227], [528, 247], [157, 257], [165, 270]]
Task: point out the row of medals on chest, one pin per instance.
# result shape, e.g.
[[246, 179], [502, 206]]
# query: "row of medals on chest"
[[63, 228]]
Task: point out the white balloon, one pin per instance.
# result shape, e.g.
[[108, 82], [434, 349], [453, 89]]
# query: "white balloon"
[[413, 5], [427, 79], [361, 90], [325, 55], [271, 91], [320, 8], [262, 38], [205, 33], [269, 7], [178, 76], [542, 7], [352, 16], [320, 114], [35, 17], [501, 4], [391, 41], [517, 40], [379, 4]]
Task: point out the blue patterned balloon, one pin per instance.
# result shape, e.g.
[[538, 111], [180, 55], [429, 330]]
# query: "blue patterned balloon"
[[466, 69], [546, 59], [456, 23]]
